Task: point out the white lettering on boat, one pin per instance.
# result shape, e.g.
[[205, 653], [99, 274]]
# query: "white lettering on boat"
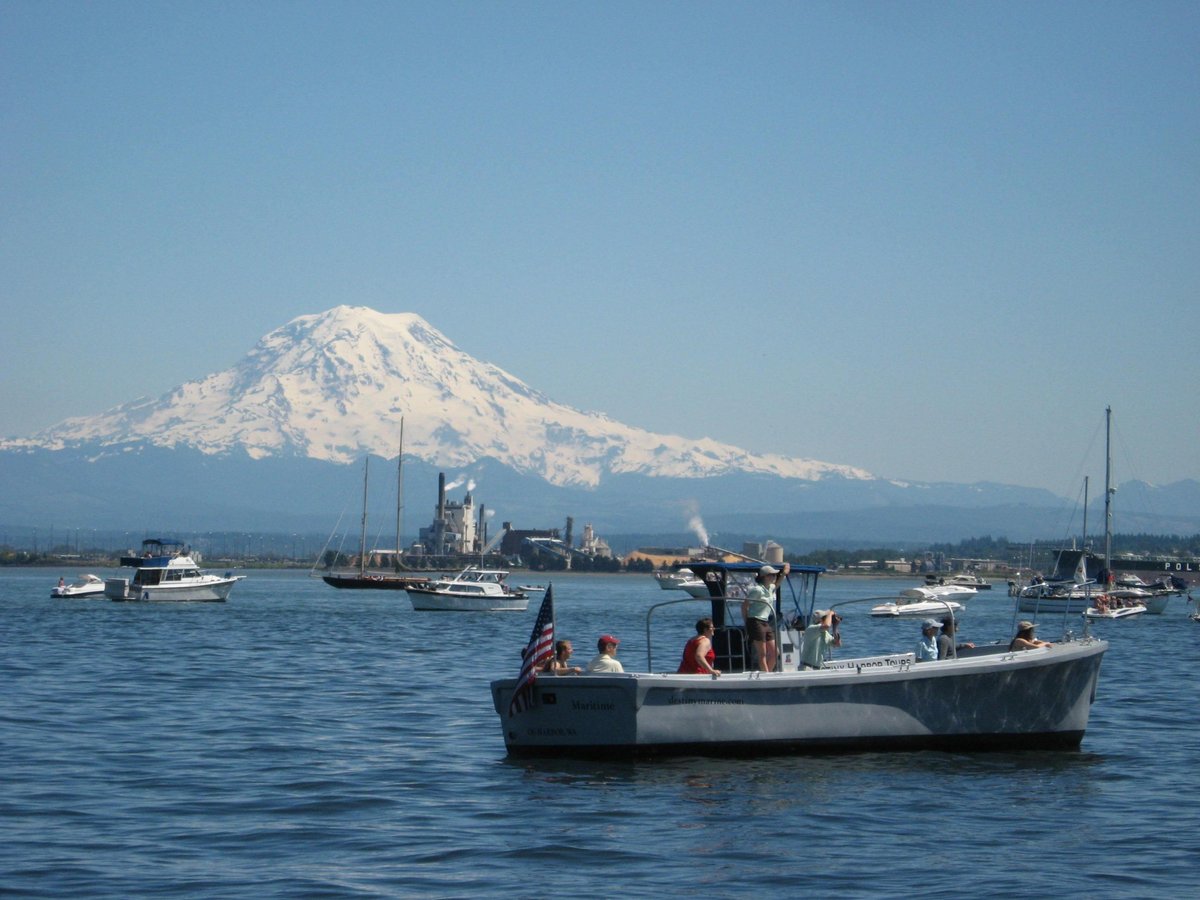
[[873, 662]]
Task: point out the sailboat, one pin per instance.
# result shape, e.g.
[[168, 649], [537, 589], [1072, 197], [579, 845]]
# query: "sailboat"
[[1081, 593], [394, 578]]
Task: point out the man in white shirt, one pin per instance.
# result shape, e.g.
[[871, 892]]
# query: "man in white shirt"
[[606, 660]]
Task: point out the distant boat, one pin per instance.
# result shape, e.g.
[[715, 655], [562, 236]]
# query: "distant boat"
[[85, 586], [395, 578], [925, 601], [1115, 612], [675, 579], [962, 579], [1073, 586], [471, 590], [167, 571]]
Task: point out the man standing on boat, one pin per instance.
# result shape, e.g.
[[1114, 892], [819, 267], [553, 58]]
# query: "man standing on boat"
[[757, 609]]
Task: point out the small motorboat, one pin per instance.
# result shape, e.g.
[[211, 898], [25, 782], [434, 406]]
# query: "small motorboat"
[[675, 579], [1114, 612], [916, 608], [86, 586], [925, 601], [963, 579]]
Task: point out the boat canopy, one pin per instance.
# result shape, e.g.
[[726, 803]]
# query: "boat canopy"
[[730, 580]]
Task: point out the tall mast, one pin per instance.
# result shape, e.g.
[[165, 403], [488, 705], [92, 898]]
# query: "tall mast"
[[1109, 490], [362, 541], [399, 490], [1085, 499]]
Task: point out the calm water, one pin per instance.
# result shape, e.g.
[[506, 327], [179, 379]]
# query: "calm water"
[[301, 741]]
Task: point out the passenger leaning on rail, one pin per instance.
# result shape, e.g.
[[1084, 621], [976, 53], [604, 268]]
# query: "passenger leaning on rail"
[[1025, 639]]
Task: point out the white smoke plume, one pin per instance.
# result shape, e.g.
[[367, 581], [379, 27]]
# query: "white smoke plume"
[[696, 526]]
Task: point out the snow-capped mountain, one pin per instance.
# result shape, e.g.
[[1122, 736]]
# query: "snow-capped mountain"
[[333, 386]]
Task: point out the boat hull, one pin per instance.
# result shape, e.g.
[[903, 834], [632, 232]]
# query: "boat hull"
[[431, 601], [210, 590], [997, 700], [358, 582]]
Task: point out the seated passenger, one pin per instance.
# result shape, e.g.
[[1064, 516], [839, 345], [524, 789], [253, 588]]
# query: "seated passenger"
[[698, 653], [606, 660], [947, 648], [560, 664], [927, 649], [1025, 639]]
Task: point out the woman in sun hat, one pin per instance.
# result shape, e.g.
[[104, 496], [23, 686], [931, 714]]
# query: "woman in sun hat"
[[1025, 639]]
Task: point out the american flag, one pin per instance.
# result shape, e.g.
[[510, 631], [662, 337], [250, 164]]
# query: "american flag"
[[536, 654]]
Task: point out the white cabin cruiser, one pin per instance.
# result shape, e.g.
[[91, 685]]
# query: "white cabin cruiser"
[[166, 570], [84, 586], [681, 580], [984, 698], [925, 601], [962, 579], [471, 590]]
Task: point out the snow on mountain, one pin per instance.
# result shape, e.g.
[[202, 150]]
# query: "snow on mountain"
[[334, 385]]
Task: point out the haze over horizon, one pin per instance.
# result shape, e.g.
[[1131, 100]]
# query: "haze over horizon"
[[932, 241]]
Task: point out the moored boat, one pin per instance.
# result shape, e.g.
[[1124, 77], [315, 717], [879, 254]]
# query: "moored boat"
[[166, 570], [925, 601], [984, 698], [471, 590], [1097, 613], [85, 586], [395, 576], [962, 579]]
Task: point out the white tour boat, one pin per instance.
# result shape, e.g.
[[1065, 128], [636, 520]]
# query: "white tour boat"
[[987, 697], [471, 590], [85, 586], [167, 570]]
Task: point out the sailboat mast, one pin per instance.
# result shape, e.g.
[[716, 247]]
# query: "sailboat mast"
[[362, 541], [1085, 499], [1108, 491], [399, 490]]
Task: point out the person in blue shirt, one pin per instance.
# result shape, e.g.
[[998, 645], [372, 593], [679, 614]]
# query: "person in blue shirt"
[[927, 648]]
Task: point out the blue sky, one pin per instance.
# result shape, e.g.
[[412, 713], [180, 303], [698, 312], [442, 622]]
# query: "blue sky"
[[932, 240]]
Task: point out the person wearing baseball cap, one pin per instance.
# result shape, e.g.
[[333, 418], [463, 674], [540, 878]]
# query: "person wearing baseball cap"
[[606, 660], [757, 610], [927, 645]]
